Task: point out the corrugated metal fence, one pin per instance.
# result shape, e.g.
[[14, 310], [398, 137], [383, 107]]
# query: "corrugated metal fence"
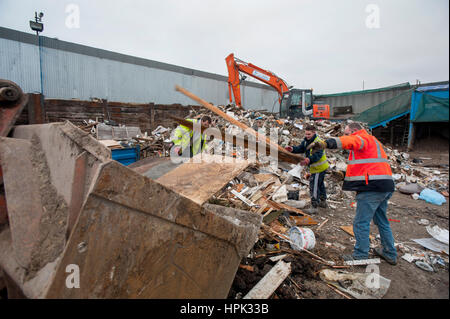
[[71, 70]]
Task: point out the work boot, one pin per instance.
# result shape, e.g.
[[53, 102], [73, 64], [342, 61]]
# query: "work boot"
[[379, 251], [323, 203]]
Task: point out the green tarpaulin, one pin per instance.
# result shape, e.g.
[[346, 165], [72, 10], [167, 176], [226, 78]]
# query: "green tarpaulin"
[[386, 111], [431, 109]]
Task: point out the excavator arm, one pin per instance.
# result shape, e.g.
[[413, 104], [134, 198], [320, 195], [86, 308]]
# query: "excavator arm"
[[235, 66]]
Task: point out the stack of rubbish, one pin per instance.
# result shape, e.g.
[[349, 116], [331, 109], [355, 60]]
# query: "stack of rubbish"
[[114, 136], [412, 176], [285, 258]]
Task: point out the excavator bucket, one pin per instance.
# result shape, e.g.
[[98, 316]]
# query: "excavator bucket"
[[82, 225]]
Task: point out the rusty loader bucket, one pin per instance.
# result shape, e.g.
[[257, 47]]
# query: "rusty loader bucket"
[[84, 226]]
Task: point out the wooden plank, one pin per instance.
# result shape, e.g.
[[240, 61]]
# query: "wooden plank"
[[349, 230], [110, 143], [243, 198], [321, 225], [287, 207], [270, 282], [244, 127], [303, 220], [200, 179]]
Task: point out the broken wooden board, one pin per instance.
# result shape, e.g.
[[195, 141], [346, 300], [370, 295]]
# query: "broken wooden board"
[[270, 282], [303, 220], [111, 144], [243, 198], [277, 227], [287, 207], [202, 176], [349, 230], [261, 178], [270, 217]]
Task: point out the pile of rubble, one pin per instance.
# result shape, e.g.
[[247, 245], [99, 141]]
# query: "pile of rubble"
[[116, 136], [280, 192]]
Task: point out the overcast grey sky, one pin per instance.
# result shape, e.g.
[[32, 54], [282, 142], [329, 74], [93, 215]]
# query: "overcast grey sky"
[[328, 45]]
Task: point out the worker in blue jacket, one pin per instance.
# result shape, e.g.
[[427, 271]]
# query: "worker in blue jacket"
[[318, 164]]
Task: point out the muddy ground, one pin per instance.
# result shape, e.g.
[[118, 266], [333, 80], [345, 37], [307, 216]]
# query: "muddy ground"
[[407, 280]]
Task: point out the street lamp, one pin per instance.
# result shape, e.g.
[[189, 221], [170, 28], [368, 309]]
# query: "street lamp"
[[37, 25]]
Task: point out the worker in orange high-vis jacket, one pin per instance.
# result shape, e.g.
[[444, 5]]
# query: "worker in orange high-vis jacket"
[[370, 175]]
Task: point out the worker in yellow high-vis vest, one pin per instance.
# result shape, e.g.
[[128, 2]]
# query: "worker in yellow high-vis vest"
[[317, 162], [186, 141]]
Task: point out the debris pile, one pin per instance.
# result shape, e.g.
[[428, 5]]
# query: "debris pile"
[[117, 136], [280, 193]]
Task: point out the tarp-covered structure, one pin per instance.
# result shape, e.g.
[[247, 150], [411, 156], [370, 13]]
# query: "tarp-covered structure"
[[422, 104]]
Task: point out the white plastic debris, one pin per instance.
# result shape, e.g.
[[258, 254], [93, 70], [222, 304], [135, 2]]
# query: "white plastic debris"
[[296, 171], [438, 233]]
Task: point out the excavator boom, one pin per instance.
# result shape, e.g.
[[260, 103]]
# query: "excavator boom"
[[235, 66]]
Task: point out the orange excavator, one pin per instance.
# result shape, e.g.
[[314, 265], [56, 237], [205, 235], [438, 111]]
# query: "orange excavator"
[[294, 103]]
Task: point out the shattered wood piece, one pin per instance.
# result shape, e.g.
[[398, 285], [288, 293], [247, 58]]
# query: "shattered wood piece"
[[268, 212], [287, 207], [247, 267], [271, 216], [268, 253], [277, 227], [349, 230], [321, 225], [262, 178], [262, 208], [277, 258], [270, 282], [303, 220], [242, 198], [263, 185], [363, 262], [201, 177], [254, 197]]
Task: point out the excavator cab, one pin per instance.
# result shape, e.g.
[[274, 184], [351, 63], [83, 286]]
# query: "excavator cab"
[[297, 103]]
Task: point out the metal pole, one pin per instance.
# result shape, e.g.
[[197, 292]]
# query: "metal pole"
[[40, 71]]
